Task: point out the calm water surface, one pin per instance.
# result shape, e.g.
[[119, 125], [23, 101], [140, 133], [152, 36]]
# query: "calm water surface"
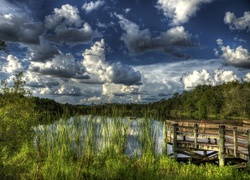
[[102, 132]]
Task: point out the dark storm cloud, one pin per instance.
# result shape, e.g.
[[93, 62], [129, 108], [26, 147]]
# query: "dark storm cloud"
[[81, 76], [42, 52], [242, 64], [163, 94], [71, 35], [35, 85], [61, 65], [26, 3], [65, 24], [20, 28], [176, 53], [120, 94], [126, 94], [140, 41], [51, 83], [123, 74], [53, 71], [149, 99]]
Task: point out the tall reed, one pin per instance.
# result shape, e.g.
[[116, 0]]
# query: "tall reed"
[[91, 147]]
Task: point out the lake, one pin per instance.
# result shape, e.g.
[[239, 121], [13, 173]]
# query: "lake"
[[96, 134]]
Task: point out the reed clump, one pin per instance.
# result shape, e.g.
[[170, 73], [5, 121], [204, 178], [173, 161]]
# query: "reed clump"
[[91, 147]]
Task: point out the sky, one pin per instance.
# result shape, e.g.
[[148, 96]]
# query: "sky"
[[123, 51]]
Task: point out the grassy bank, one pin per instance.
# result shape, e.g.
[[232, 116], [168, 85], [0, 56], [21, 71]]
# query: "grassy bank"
[[71, 149], [29, 165]]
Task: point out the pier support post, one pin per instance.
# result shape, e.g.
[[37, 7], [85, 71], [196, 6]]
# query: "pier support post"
[[235, 141], [165, 138], [248, 136], [195, 135], [222, 145], [175, 140], [205, 153]]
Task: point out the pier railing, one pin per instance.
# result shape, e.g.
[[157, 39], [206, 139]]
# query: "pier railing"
[[224, 142]]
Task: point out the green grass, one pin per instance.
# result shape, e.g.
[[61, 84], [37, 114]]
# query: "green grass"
[[115, 166], [72, 150]]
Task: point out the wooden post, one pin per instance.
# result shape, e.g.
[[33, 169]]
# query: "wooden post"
[[205, 153], [168, 135], [165, 139], [235, 142], [222, 145], [175, 140], [195, 135], [167, 131], [248, 135]]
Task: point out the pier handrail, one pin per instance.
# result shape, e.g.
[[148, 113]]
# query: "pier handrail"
[[228, 139]]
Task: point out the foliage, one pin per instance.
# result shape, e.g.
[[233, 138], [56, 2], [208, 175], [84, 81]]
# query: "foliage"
[[17, 113], [227, 101], [21, 165], [52, 158], [204, 102], [44, 161], [3, 46]]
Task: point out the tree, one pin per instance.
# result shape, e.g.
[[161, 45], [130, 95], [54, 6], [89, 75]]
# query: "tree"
[[3, 46], [17, 114]]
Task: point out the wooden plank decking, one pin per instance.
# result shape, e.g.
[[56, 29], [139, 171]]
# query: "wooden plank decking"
[[219, 142]]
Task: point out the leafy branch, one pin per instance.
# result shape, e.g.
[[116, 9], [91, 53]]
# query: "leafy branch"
[[3, 46]]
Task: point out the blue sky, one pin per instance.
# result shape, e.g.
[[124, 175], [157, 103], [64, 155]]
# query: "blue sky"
[[139, 51]]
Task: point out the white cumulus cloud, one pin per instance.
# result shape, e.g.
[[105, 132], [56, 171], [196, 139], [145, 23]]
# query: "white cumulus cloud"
[[247, 78], [67, 14], [179, 11], [37, 81], [67, 89], [91, 6], [13, 65], [95, 63], [240, 23], [192, 79], [221, 76], [120, 93], [195, 78], [239, 57], [127, 10]]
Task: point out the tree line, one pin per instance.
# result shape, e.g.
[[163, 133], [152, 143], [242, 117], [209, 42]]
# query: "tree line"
[[227, 101], [20, 111]]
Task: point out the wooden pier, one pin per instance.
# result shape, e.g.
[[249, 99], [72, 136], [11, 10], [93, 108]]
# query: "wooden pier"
[[199, 142]]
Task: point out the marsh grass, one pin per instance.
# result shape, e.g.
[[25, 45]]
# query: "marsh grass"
[[92, 147]]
